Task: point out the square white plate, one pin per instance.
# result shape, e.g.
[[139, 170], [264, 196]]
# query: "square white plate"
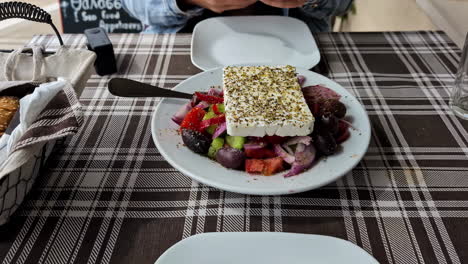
[[266, 40]]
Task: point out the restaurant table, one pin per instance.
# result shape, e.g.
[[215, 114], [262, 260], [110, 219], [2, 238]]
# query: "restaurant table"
[[108, 196]]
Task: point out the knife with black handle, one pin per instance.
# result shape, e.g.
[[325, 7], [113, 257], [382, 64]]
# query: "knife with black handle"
[[129, 88]]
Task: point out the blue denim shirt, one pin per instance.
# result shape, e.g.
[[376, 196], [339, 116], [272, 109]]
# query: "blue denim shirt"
[[164, 16]]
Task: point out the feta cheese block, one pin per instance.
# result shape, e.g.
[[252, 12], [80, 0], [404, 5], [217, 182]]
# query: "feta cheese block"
[[262, 100]]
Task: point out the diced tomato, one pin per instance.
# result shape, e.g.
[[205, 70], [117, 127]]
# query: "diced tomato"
[[275, 139], [193, 119], [266, 167], [260, 153], [254, 165], [212, 121], [209, 98], [216, 110], [272, 166]]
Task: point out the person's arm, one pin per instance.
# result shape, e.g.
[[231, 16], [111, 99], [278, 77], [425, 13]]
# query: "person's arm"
[[284, 3], [317, 14], [315, 8], [169, 16], [320, 9], [162, 16], [219, 6]]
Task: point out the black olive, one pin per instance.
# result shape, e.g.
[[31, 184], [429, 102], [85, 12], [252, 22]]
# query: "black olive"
[[196, 141], [325, 143], [329, 123]]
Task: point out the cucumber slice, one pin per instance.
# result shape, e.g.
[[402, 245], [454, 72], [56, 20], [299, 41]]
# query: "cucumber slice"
[[235, 141], [211, 129], [221, 108], [216, 145], [209, 115]]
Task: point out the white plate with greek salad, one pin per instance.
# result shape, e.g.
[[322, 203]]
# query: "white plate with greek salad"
[[192, 137]]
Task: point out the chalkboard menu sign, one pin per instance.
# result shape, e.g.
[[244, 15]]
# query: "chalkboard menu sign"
[[78, 15]]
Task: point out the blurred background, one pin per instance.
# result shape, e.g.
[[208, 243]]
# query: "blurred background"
[[73, 16]]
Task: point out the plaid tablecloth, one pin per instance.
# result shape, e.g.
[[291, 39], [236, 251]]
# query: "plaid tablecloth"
[[108, 196]]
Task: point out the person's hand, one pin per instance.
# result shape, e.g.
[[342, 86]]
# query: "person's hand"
[[284, 3], [220, 6]]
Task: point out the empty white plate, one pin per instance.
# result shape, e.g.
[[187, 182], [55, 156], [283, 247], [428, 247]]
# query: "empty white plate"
[[264, 248], [266, 40]]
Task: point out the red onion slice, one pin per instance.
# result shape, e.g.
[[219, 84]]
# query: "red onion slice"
[[220, 130], [179, 116], [288, 149], [283, 154], [203, 105], [255, 145], [300, 148], [300, 139], [215, 92], [301, 80], [304, 158], [194, 101]]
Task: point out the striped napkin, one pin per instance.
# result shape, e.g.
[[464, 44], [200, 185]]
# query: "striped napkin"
[[50, 112]]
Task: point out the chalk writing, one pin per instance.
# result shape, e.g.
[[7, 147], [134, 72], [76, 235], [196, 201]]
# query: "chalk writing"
[[78, 15]]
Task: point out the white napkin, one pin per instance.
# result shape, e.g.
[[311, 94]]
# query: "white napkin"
[[30, 107]]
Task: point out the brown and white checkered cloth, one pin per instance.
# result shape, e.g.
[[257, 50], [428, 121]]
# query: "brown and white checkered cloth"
[[108, 196]]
